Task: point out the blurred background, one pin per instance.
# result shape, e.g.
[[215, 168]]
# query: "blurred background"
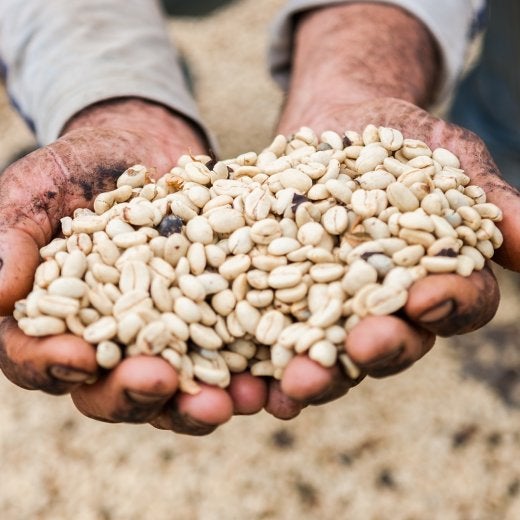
[[441, 441]]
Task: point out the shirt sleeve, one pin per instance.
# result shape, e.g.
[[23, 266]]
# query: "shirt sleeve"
[[61, 56], [453, 24]]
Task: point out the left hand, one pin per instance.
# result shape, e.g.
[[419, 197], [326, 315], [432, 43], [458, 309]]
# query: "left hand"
[[443, 304]]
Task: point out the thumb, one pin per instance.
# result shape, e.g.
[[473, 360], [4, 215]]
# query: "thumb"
[[19, 257], [479, 165]]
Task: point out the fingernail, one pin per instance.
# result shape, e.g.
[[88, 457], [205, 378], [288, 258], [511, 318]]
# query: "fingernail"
[[438, 312], [68, 375], [187, 424], [144, 398], [383, 361]]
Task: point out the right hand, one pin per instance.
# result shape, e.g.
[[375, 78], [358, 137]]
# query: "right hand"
[[38, 190]]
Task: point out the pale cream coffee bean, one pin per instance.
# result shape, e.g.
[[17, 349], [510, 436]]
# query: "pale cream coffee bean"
[[368, 203], [42, 326], [439, 264], [335, 220], [187, 310], [175, 247], [248, 316], [390, 138], [226, 220], [205, 337], [105, 273], [130, 239], [215, 256], [305, 341], [379, 179], [490, 211], [324, 352], [447, 246], [284, 277], [336, 334], [240, 286], [265, 231], [135, 276], [311, 233], [153, 338], [128, 326], [160, 294], [199, 229], [49, 251], [414, 148], [414, 236], [292, 294], [358, 274], [445, 158], [191, 287], [74, 324], [75, 265], [173, 357], [262, 368], [46, 273], [108, 354], [416, 220], [351, 370], [326, 272], [128, 301], [282, 246], [269, 327], [281, 356], [234, 266], [292, 178], [370, 157], [327, 315], [103, 329], [385, 300], [57, 306], [409, 255], [465, 265], [260, 299], [240, 241], [68, 286], [341, 192]]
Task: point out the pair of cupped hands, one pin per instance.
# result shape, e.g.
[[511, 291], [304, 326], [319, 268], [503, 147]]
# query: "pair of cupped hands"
[[96, 146]]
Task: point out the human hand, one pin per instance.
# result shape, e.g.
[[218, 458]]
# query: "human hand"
[[443, 304], [96, 147]]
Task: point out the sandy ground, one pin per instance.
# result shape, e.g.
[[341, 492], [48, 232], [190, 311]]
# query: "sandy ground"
[[441, 441]]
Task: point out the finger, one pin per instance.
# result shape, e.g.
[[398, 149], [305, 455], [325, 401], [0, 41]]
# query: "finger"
[[310, 383], [449, 304], [198, 414], [280, 404], [385, 345], [248, 393], [477, 162], [19, 257], [134, 391], [56, 364]]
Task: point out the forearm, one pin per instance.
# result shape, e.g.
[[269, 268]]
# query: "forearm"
[[347, 54], [63, 56]]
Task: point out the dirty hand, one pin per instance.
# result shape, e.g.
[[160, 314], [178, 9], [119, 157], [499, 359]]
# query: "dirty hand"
[[39, 189]]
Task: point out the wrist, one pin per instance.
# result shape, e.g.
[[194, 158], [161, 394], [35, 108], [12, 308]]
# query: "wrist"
[[140, 115], [349, 54]]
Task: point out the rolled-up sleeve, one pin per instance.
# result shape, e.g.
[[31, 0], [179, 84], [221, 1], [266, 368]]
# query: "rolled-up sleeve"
[[453, 24], [61, 56]]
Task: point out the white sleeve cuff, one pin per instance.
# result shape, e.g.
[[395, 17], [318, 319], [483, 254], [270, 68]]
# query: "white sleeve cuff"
[[61, 56], [450, 22]]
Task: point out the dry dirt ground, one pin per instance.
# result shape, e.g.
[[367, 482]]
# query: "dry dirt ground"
[[441, 441]]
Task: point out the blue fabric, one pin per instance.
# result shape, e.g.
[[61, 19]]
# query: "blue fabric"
[[488, 101]]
